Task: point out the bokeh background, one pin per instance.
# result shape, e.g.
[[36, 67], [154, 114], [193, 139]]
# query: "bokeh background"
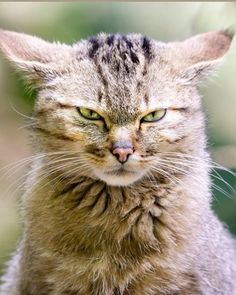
[[69, 22]]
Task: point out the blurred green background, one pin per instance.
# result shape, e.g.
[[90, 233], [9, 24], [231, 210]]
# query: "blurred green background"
[[69, 22]]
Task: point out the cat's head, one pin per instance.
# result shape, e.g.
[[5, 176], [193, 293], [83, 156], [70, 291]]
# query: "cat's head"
[[120, 107]]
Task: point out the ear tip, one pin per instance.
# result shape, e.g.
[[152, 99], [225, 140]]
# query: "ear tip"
[[222, 39], [228, 32]]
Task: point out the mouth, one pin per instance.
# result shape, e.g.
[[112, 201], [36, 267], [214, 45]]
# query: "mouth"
[[119, 177], [119, 172]]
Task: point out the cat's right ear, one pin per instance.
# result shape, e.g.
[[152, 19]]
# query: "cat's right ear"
[[38, 59]]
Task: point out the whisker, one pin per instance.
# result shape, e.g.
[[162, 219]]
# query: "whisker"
[[44, 175], [199, 180], [211, 163], [18, 112], [219, 177], [40, 155], [27, 126], [193, 165], [51, 162]]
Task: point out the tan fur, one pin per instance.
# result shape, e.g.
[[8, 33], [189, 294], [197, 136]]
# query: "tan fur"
[[90, 228]]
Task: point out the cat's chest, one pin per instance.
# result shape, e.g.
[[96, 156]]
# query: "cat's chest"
[[99, 200], [91, 217], [114, 213], [99, 234]]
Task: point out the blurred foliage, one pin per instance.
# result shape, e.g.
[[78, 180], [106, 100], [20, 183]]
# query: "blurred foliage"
[[224, 201], [69, 22]]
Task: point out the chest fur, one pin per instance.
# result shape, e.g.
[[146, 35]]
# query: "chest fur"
[[106, 237]]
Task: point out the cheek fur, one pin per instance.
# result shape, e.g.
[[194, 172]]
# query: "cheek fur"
[[170, 136], [155, 140]]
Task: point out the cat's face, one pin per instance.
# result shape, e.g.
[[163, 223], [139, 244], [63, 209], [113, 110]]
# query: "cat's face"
[[122, 105]]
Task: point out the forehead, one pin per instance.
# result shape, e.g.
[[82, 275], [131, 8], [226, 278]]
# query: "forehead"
[[120, 63], [122, 75]]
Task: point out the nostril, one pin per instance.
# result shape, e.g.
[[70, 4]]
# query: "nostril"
[[122, 154]]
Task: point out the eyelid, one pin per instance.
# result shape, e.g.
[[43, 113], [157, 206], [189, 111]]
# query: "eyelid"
[[150, 112], [178, 109], [181, 109], [90, 108], [155, 110]]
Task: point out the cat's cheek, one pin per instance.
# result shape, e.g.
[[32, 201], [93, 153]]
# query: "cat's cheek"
[[168, 136]]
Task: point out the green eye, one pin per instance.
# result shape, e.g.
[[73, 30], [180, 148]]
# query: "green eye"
[[89, 114], [154, 116]]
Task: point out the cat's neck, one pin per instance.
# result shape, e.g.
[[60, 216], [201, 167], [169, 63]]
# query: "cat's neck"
[[88, 214]]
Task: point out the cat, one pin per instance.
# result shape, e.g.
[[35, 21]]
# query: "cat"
[[119, 196]]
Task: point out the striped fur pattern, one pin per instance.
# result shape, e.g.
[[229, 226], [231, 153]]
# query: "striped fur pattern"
[[94, 226]]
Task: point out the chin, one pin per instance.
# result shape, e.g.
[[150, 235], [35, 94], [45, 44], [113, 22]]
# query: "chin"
[[119, 178]]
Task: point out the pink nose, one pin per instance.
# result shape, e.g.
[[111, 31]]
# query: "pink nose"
[[122, 153]]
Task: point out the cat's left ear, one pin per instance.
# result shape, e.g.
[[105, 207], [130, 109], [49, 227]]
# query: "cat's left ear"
[[39, 60], [203, 53]]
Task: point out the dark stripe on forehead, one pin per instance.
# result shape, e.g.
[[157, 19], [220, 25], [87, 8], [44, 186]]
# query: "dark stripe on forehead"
[[129, 44], [146, 46], [146, 99], [144, 70], [110, 40], [134, 57], [92, 54], [127, 70], [100, 95], [139, 85], [103, 80], [102, 77], [95, 46]]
